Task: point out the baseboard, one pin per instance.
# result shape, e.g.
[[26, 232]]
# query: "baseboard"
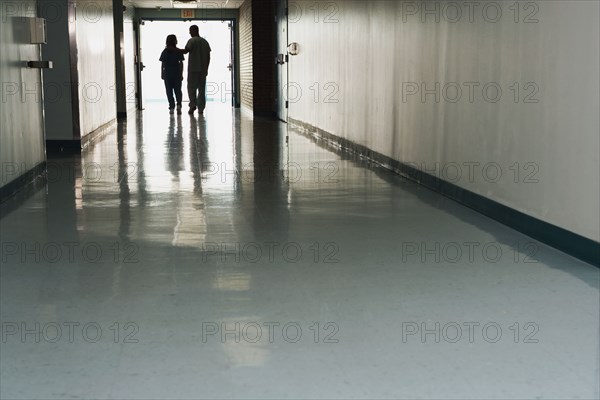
[[72, 146], [23, 186], [569, 242], [98, 133]]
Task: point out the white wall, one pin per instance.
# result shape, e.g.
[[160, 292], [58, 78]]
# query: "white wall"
[[376, 49], [21, 118], [96, 64]]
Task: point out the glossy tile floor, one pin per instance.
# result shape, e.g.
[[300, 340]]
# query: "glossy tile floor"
[[148, 269]]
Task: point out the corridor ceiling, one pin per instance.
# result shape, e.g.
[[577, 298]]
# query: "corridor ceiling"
[[198, 4]]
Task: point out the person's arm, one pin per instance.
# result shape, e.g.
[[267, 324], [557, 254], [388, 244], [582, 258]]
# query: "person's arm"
[[188, 47], [181, 58], [178, 50], [162, 65], [208, 57]]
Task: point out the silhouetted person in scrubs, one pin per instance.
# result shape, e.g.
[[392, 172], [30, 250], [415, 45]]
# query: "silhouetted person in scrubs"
[[198, 62], [172, 72]]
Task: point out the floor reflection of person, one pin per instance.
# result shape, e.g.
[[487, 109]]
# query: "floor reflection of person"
[[174, 144]]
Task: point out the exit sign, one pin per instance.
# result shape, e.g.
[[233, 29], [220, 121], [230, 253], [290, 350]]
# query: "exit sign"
[[188, 13]]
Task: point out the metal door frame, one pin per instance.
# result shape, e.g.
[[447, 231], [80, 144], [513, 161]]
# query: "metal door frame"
[[139, 62]]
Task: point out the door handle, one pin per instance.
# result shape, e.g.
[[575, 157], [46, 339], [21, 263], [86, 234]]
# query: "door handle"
[[39, 64]]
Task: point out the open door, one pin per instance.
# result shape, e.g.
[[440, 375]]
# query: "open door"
[[282, 59], [231, 65], [139, 65], [220, 87]]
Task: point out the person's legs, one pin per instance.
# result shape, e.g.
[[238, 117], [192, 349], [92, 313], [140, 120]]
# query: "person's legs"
[[192, 86], [201, 93], [178, 94], [169, 90]]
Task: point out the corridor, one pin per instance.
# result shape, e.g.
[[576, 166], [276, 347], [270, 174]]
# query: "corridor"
[[226, 256]]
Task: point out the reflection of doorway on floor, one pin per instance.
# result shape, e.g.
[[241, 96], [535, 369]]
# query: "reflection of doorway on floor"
[[217, 33]]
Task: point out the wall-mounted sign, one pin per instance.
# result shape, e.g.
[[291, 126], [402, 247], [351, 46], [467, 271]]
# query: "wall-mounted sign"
[[188, 13]]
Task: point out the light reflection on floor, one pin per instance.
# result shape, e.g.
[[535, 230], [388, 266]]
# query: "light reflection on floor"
[[299, 239]]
